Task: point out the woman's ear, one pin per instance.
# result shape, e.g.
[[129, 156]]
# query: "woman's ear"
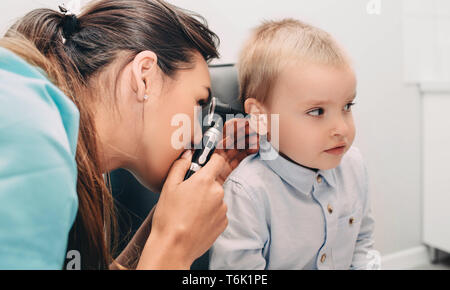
[[258, 115], [144, 68]]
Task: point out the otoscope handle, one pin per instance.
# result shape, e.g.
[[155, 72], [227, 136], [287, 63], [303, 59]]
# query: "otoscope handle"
[[202, 156]]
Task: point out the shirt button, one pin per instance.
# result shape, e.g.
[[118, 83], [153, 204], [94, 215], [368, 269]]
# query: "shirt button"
[[323, 258], [351, 221], [319, 179], [330, 209]]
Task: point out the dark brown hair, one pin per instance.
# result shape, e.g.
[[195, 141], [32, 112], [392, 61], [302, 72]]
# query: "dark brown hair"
[[78, 49]]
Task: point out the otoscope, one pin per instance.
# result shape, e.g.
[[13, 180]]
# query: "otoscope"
[[212, 136]]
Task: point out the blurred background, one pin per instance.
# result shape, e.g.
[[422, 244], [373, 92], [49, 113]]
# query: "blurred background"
[[401, 53]]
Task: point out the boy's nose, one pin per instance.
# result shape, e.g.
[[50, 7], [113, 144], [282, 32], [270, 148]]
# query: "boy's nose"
[[341, 128]]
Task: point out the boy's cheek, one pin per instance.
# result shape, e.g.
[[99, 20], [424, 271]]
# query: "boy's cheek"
[[299, 146]]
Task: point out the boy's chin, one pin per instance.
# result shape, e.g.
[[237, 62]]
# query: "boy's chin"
[[329, 164], [321, 163]]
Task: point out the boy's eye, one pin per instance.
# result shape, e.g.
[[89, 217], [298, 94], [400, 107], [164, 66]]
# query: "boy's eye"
[[316, 112], [348, 107]]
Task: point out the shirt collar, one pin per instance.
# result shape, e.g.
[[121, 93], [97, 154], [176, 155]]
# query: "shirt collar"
[[298, 176]]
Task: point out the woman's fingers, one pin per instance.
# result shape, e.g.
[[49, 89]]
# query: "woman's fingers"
[[214, 166], [179, 168], [192, 213], [239, 135], [239, 141]]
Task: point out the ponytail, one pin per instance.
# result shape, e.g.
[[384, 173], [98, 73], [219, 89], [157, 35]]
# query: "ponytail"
[[39, 38]]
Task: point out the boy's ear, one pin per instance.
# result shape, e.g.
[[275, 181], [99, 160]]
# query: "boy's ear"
[[258, 115], [253, 106]]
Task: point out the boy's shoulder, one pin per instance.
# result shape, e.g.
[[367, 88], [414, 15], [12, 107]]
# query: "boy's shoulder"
[[252, 174], [250, 167]]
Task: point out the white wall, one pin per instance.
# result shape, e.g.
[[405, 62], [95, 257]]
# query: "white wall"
[[10, 10], [427, 40], [387, 111]]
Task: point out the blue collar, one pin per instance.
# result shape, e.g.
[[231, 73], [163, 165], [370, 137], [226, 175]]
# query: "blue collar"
[[298, 176]]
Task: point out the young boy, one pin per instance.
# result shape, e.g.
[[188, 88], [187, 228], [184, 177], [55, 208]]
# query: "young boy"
[[309, 207]]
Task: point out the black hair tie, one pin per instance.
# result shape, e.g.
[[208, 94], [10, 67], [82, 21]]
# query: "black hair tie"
[[70, 23]]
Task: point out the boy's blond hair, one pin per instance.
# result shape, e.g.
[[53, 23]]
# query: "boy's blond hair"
[[275, 44]]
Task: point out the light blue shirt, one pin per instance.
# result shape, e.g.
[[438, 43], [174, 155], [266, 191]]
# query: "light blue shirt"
[[285, 216], [38, 173]]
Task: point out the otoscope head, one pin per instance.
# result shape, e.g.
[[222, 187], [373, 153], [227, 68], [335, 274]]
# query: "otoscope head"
[[212, 111], [218, 112], [226, 109]]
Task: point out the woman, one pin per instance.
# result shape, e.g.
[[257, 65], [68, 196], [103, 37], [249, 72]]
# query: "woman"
[[129, 66]]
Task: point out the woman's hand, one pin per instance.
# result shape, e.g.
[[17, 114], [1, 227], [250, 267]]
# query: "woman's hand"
[[239, 141], [188, 218]]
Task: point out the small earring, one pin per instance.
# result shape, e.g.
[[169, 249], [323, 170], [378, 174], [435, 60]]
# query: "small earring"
[[145, 97]]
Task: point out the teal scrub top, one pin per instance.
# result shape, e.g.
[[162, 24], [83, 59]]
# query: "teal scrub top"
[[38, 173]]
